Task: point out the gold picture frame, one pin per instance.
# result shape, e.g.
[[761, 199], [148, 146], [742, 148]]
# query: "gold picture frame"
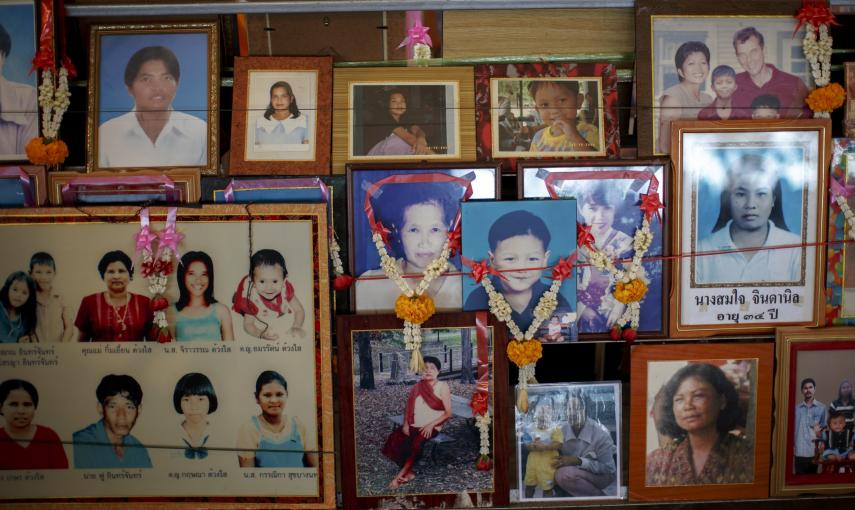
[[718, 289], [187, 182], [361, 120], [189, 54], [806, 356]]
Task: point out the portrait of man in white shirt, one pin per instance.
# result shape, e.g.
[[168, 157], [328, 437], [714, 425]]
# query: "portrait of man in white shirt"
[[750, 229], [18, 105], [153, 134]]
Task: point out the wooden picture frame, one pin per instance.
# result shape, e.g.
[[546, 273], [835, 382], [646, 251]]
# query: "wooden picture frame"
[[157, 463], [658, 466], [570, 179], [717, 289], [849, 112], [361, 449], [437, 106], [713, 24], [821, 357], [378, 295], [22, 180], [503, 100], [20, 118], [137, 185], [305, 147], [157, 52]]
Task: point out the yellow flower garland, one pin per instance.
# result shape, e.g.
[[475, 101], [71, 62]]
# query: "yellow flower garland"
[[415, 309], [524, 352], [631, 291]]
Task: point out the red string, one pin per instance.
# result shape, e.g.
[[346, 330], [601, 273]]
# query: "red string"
[[623, 261]]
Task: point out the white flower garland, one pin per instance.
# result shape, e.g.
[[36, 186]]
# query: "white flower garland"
[[641, 242], [54, 100], [482, 421], [335, 257], [437, 266], [847, 213], [817, 48]]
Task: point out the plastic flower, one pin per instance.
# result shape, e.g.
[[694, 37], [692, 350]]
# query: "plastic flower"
[[479, 402], [827, 98], [415, 309], [631, 291]]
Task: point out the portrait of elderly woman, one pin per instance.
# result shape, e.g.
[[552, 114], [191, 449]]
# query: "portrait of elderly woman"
[[704, 422], [116, 314], [419, 218], [153, 99], [751, 223]]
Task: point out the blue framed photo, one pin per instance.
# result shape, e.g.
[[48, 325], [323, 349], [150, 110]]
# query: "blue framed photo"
[[419, 216], [608, 197], [152, 92], [515, 237], [19, 119]]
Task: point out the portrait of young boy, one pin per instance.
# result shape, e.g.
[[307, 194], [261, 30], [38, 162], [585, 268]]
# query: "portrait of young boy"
[[518, 243]]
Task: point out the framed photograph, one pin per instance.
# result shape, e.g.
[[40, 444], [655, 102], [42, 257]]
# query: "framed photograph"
[[607, 196], [814, 423], [281, 119], [701, 417], [402, 114], [177, 186], [849, 114], [22, 186], [237, 410], [750, 215], [840, 275], [153, 97], [521, 241], [419, 205], [703, 60], [402, 442], [515, 103], [19, 120], [568, 443]]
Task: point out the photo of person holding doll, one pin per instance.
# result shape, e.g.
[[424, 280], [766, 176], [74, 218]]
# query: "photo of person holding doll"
[[521, 247], [197, 315], [265, 295], [18, 310]]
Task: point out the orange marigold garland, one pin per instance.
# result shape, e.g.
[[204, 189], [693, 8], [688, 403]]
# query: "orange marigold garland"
[[51, 153], [827, 98]]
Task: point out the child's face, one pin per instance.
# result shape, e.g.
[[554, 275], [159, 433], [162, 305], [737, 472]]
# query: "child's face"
[[268, 280], [43, 275], [280, 99], [397, 104], [195, 406], [600, 217], [764, 113], [520, 252], [423, 234], [837, 424], [554, 102], [724, 86], [18, 293]]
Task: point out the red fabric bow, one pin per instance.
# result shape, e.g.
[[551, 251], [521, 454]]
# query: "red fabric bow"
[[480, 270], [564, 268], [380, 228], [454, 241], [479, 403], [815, 12], [584, 238], [650, 204]]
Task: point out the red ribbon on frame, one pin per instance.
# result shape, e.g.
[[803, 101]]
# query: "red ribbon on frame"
[[650, 201], [45, 57], [480, 269], [376, 226], [816, 13]]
